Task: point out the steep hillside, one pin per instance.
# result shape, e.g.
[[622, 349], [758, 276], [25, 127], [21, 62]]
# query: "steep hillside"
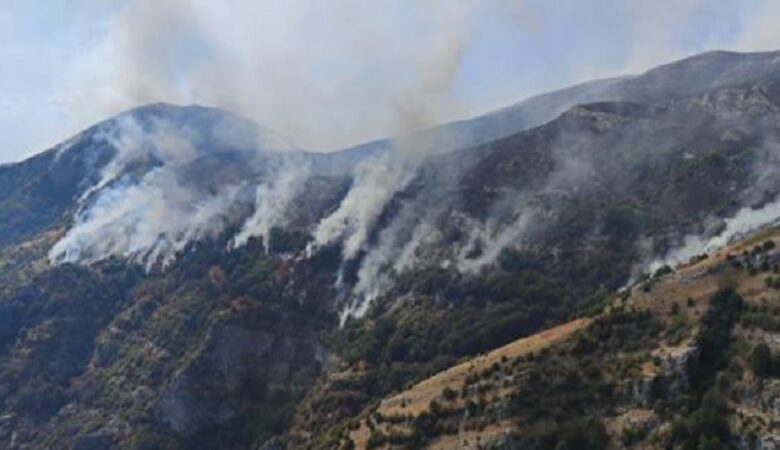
[[690, 77], [179, 278], [213, 353], [687, 359]]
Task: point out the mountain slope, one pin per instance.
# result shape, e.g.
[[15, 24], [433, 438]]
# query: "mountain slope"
[[178, 277], [689, 77], [645, 371]]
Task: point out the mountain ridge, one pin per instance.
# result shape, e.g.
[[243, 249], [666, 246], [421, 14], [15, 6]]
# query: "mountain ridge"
[[169, 286]]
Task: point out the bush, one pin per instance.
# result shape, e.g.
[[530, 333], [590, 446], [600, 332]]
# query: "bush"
[[377, 439], [761, 361], [663, 270], [725, 308], [449, 394], [581, 434]]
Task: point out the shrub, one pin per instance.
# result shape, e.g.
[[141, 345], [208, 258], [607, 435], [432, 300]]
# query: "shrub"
[[761, 361], [663, 270], [449, 394]]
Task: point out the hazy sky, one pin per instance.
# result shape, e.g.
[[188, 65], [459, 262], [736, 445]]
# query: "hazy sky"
[[330, 73]]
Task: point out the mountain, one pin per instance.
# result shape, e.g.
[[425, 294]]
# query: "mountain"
[[682, 360], [179, 277], [692, 76]]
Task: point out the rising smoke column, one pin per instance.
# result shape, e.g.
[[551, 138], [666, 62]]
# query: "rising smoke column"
[[273, 198], [375, 182], [166, 186]]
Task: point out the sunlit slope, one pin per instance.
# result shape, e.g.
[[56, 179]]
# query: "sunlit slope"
[[645, 351]]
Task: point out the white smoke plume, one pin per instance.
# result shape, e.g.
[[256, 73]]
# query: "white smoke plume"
[[746, 220], [494, 239], [150, 201], [331, 73], [148, 223], [419, 105], [394, 252], [375, 182], [273, 198]]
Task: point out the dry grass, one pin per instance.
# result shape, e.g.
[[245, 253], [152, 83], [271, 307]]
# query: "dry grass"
[[471, 440], [684, 293], [698, 281], [419, 397]]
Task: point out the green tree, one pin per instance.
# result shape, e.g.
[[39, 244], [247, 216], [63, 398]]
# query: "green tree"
[[761, 360]]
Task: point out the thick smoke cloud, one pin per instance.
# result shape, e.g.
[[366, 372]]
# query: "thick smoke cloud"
[[151, 201], [329, 73], [376, 181], [280, 64]]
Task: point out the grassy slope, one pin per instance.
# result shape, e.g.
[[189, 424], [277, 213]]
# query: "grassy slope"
[[678, 302]]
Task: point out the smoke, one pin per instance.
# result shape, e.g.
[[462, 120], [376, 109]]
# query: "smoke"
[[152, 199], [747, 220], [395, 252], [330, 73], [273, 198], [418, 105], [275, 64], [375, 182], [147, 223], [493, 239], [763, 208]]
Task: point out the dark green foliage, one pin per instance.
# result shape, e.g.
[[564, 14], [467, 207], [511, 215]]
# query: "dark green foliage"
[[663, 270], [581, 435], [706, 426], [376, 439], [724, 311], [575, 434], [449, 394], [465, 315], [622, 329], [66, 307], [485, 312], [514, 261], [622, 221], [762, 317], [327, 258], [181, 312], [287, 241], [763, 362]]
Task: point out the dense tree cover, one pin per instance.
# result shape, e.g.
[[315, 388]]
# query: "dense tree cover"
[[706, 426], [60, 312], [725, 308], [575, 434], [764, 362], [430, 320], [53, 331]]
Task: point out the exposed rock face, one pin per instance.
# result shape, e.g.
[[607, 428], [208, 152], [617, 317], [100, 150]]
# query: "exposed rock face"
[[670, 378], [675, 364], [760, 443], [639, 421], [242, 362], [764, 398], [108, 354]]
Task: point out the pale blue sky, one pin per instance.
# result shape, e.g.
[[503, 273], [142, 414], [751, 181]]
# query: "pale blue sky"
[[329, 73]]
